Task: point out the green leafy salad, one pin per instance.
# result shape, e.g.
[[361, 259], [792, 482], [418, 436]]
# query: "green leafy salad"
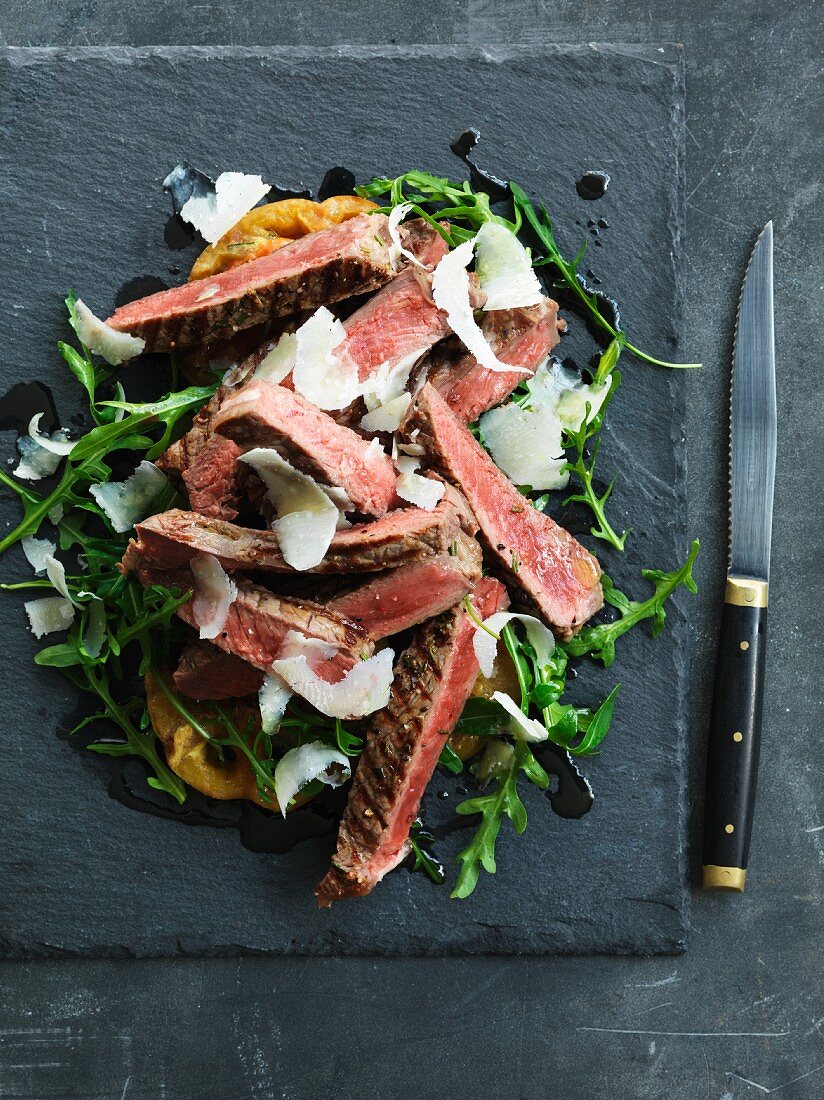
[[116, 629]]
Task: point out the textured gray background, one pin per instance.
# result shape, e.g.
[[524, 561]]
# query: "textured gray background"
[[740, 1014], [612, 882]]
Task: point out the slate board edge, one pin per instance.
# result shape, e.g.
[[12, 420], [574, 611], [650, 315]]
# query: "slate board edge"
[[639, 53]]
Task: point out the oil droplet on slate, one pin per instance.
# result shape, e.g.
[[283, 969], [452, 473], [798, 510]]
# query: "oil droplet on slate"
[[592, 185], [573, 797], [337, 181], [24, 401], [462, 147]]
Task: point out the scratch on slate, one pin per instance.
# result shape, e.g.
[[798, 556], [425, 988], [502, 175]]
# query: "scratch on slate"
[[126, 1084], [692, 1034], [656, 985], [747, 1081]]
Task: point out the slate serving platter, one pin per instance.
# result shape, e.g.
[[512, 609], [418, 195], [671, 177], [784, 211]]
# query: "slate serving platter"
[[87, 137]]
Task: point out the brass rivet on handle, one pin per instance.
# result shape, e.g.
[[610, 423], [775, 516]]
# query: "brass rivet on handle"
[[738, 736], [743, 645], [729, 828]]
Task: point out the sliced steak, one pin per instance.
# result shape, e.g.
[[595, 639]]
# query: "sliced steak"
[[262, 414], [523, 337], [424, 242], [205, 672], [258, 622], [168, 541], [394, 601], [405, 597], [433, 680], [555, 572], [399, 320], [212, 480], [315, 270]]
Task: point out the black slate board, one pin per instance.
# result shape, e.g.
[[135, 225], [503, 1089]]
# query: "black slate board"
[[88, 135]]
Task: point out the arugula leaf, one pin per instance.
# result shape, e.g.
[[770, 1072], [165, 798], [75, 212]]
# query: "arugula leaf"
[[541, 225], [85, 466], [585, 471], [455, 202], [422, 859], [599, 641], [450, 760], [504, 801], [139, 740]]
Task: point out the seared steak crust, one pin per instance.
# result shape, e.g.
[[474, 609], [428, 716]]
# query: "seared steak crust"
[[315, 270], [433, 680], [168, 541]]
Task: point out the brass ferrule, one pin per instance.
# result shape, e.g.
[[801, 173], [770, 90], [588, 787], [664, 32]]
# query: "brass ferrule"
[[724, 878], [746, 592]]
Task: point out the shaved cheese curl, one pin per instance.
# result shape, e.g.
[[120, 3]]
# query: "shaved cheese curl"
[[48, 615], [214, 594], [424, 492], [524, 728], [504, 269], [363, 690], [307, 515], [328, 380], [214, 213], [113, 346], [127, 502], [485, 642], [450, 291], [304, 763]]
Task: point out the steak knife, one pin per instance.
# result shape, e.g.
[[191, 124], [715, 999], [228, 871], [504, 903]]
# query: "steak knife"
[[735, 727]]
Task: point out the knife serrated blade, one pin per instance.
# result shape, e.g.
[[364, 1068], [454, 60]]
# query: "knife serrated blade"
[[753, 427], [735, 727]]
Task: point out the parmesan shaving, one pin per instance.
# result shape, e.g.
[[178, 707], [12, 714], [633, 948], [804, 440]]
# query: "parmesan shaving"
[[48, 615], [301, 765], [56, 573], [330, 381], [450, 291], [215, 213], [524, 728], [127, 502], [388, 417], [413, 487], [273, 696], [526, 441], [215, 593], [504, 269], [61, 447], [486, 638], [37, 552], [396, 249], [113, 346], [307, 515], [363, 690], [280, 361]]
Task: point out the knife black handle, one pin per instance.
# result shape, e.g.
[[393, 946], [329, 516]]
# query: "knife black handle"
[[735, 734]]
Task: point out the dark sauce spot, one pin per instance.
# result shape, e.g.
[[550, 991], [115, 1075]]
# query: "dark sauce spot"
[[178, 234], [277, 191], [570, 795], [139, 287], [463, 146], [24, 401], [592, 185], [337, 181]]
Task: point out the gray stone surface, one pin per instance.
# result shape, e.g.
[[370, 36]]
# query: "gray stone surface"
[[611, 882], [740, 1013]]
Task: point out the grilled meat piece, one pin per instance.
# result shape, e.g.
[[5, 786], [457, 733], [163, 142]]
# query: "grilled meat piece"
[[168, 541], [318, 269], [523, 337], [433, 680], [206, 672], [555, 572], [262, 414]]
